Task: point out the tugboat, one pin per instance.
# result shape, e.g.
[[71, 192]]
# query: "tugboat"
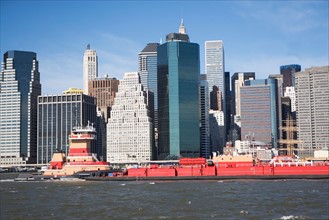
[[79, 162]]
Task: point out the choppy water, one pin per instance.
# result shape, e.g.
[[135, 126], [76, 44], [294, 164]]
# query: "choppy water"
[[266, 199]]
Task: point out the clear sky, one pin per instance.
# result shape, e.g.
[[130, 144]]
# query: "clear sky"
[[258, 36]]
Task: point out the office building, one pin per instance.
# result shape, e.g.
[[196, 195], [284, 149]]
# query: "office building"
[[288, 73], [104, 90], [178, 97], [259, 110], [312, 104], [290, 92], [19, 90], [90, 67], [147, 60], [217, 130], [130, 136], [57, 115], [237, 81], [205, 150]]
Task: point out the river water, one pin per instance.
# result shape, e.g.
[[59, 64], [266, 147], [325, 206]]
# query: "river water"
[[238, 199]]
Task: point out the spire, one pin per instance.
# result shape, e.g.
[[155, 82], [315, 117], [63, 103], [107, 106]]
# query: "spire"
[[88, 47], [182, 29]]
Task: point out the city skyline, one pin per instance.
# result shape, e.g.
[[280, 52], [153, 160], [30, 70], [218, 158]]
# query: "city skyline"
[[257, 36]]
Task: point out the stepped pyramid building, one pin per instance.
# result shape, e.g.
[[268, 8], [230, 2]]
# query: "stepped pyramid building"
[[130, 136]]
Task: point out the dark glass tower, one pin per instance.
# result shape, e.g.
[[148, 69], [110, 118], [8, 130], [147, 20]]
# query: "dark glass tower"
[[178, 97], [288, 72]]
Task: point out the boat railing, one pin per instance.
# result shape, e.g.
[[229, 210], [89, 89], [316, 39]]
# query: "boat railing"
[[296, 164]]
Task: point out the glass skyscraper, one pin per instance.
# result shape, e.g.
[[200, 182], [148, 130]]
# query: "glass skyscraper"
[[147, 60], [178, 97], [19, 90]]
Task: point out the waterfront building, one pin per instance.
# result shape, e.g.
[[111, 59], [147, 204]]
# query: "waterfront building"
[[57, 115], [288, 72], [178, 97], [217, 130], [130, 136], [205, 150], [90, 67], [259, 110], [19, 90], [312, 104]]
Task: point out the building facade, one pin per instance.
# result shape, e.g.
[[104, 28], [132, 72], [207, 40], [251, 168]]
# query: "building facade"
[[130, 136], [90, 67], [104, 90], [178, 97], [288, 72], [19, 90], [312, 104], [205, 150], [259, 110], [147, 62], [217, 130], [290, 92], [57, 115]]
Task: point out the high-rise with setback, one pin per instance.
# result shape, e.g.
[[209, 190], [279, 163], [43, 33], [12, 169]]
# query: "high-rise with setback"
[[130, 136], [90, 67], [19, 90]]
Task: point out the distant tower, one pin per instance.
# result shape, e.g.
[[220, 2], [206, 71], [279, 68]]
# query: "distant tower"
[[130, 128], [90, 67], [19, 90], [182, 29], [288, 72]]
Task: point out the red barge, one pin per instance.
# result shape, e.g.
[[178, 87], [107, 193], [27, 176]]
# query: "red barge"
[[226, 167]]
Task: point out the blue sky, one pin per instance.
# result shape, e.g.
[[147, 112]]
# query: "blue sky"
[[258, 36]]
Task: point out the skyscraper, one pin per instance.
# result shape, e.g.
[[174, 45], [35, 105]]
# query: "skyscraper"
[[90, 67], [312, 104], [147, 60], [130, 135], [259, 110], [288, 72], [19, 90], [57, 115], [205, 150], [237, 80], [104, 90], [178, 97], [215, 70]]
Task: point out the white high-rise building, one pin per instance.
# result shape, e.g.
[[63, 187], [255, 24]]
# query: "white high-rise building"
[[290, 92], [214, 60], [90, 67], [312, 109], [130, 127]]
